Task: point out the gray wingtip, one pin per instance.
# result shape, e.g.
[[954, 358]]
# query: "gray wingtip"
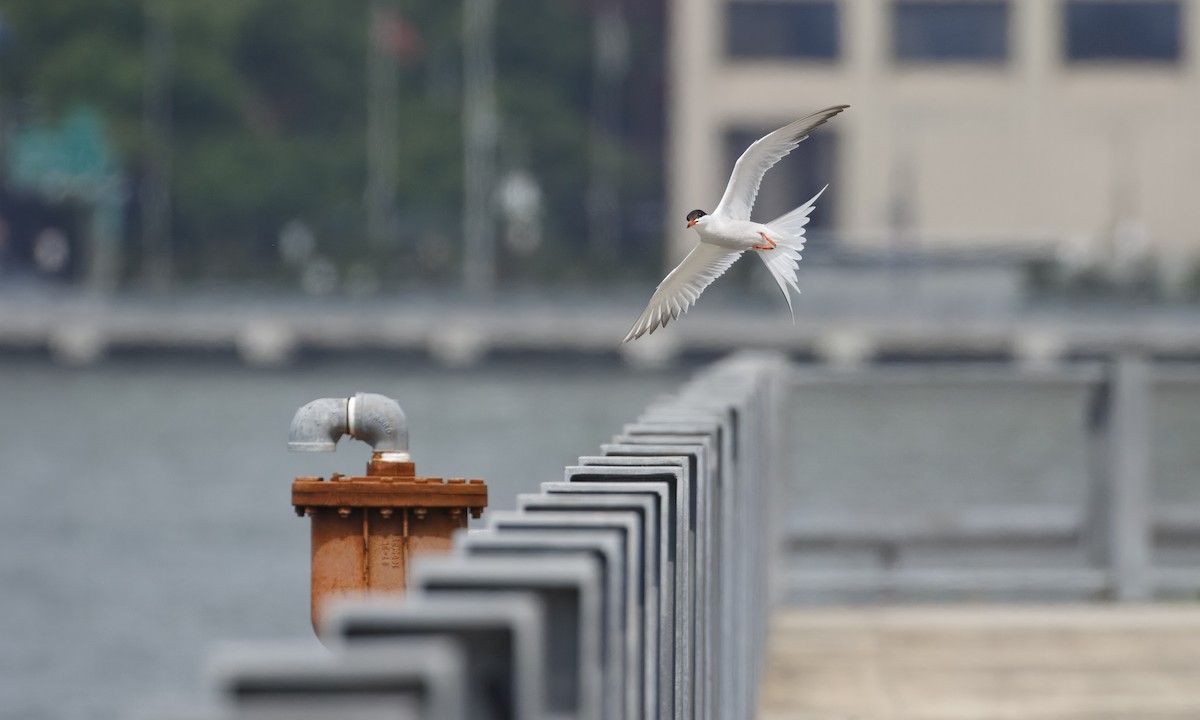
[[826, 115], [805, 125]]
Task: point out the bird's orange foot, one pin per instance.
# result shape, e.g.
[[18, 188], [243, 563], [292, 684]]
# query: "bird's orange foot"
[[770, 243]]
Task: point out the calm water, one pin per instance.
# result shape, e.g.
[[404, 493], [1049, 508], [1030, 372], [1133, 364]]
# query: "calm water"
[[145, 514]]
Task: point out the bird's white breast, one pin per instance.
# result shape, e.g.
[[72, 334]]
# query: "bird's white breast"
[[731, 234]]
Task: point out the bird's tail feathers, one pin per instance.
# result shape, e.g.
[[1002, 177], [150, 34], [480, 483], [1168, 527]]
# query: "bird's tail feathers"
[[787, 231], [791, 224]]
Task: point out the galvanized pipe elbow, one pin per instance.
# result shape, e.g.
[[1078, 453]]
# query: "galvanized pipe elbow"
[[375, 419], [319, 425], [379, 421]]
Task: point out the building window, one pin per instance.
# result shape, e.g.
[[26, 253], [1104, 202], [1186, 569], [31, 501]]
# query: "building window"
[[798, 29], [937, 31], [796, 178], [1105, 30]]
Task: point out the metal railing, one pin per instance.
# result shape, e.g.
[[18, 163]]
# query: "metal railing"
[[634, 588], [1115, 528]]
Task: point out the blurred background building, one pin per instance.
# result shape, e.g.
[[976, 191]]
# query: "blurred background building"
[[1057, 125]]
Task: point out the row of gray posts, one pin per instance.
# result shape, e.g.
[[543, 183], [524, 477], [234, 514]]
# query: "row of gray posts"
[[633, 588]]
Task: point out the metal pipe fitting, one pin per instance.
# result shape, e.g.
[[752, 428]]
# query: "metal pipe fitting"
[[379, 421], [364, 528], [374, 419], [319, 425]]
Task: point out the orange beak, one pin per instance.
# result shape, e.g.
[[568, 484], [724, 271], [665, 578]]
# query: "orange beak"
[[691, 223]]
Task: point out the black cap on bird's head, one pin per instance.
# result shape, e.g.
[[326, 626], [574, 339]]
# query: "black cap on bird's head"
[[693, 216]]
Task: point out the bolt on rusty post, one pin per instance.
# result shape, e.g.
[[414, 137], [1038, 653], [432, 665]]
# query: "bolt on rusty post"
[[365, 529]]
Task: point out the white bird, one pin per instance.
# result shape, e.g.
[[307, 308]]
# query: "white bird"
[[728, 231]]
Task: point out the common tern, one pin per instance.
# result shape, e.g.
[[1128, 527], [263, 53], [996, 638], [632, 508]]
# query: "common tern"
[[728, 231]]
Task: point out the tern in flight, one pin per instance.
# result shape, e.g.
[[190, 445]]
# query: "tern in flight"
[[728, 231]]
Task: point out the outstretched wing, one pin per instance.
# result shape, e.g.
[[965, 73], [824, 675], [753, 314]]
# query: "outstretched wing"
[[760, 157], [682, 286]]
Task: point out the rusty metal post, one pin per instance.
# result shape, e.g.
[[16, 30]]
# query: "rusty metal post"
[[365, 529]]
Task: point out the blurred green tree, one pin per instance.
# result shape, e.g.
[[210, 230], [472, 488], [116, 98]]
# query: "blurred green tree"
[[268, 114]]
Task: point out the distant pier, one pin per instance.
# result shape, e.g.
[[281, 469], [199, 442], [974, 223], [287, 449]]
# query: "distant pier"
[[276, 331]]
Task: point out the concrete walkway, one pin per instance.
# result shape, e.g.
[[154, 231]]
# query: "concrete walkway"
[[1069, 662]]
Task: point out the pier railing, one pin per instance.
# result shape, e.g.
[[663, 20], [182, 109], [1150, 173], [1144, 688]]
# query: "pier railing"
[[634, 588], [1116, 530], [637, 586]]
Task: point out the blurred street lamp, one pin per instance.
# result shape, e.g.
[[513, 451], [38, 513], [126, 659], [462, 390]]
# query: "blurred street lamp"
[[319, 277], [479, 140], [51, 251], [156, 182], [521, 203], [610, 64], [389, 40]]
